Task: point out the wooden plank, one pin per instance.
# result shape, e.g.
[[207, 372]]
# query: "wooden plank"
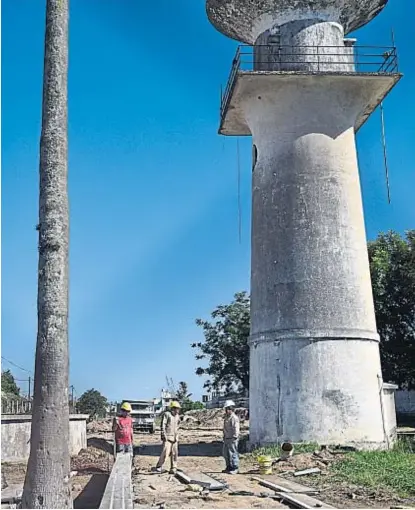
[[282, 489], [285, 485], [202, 479], [294, 494], [310, 471]]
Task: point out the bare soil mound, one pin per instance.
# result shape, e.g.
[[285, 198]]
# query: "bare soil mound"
[[99, 426], [91, 460], [211, 418]]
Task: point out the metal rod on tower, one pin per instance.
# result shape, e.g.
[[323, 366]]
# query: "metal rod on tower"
[[385, 156], [238, 162]]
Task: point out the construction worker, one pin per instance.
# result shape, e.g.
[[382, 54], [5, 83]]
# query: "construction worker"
[[231, 430], [170, 437], [123, 428]]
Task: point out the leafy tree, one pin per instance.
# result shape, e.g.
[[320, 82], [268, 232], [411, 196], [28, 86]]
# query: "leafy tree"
[[8, 384], [182, 392], [183, 396], [225, 346], [47, 482], [392, 265], [93, 403], [194, 406]]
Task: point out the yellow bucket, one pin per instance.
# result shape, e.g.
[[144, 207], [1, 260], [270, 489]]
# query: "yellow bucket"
[[265, 464]]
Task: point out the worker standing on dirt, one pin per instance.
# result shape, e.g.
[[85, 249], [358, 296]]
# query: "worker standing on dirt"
[[123, 428], [231, 430], [170, 437]]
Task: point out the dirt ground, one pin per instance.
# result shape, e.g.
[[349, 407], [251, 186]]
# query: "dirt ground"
[[90, 470], [200, 450]]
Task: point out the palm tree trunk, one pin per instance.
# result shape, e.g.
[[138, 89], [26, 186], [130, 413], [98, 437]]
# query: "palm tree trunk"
[[47, 477]]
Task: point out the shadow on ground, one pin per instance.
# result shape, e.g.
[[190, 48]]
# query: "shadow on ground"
[[92, 470], [101, 444], [213, 449], [92, 494]]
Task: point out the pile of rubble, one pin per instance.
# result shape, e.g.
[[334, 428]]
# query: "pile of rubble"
[[211, 418], [96, 426], [309, 463], [92, 460]]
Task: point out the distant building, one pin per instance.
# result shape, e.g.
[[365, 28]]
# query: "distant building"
[[162, 403]]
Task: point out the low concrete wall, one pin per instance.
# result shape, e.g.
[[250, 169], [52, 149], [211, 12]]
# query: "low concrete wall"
[[15, 436], [118, 492], [389, 411]]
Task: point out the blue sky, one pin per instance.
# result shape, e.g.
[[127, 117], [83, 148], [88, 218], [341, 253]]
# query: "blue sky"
[[153, 188]]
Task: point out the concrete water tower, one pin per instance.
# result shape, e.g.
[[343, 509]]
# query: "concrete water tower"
[[302, 91]]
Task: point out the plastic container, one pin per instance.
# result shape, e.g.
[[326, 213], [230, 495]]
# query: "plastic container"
[[265, 464]]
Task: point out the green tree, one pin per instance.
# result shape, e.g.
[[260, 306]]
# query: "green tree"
[[182, 393], [392, 266], [194, 406], [225, 346], [8, 384], [183, 396], [92, 403], [47, 482]]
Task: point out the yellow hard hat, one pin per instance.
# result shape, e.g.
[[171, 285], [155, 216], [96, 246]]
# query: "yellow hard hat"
[[175, 405], [126, 406]]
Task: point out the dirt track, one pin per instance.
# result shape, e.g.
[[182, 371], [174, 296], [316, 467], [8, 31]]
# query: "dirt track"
[[198, 451]]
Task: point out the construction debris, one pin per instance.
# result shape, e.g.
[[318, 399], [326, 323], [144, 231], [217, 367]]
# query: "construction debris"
[[287, 491], [12, 493], [211, 418], [202, 479], [99, 426], [284, 488], [242, 493], [193, 487], [310, 471], [287, 450], [92, 460]]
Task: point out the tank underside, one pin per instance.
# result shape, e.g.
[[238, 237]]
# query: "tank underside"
[[245, 21]]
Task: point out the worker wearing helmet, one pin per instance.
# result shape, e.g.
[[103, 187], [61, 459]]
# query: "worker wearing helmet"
[[123, 428], [231, 430], [170, 437]]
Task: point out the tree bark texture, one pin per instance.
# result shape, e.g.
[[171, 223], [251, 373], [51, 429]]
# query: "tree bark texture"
[[47, 478]]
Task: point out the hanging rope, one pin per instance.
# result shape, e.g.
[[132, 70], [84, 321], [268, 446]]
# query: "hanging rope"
[[238, 163], [385, 156]]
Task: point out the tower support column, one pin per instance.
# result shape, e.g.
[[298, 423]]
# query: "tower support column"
[[315, 365], [315, 371]]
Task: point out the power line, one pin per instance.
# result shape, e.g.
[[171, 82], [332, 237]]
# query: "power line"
[[17, 366]]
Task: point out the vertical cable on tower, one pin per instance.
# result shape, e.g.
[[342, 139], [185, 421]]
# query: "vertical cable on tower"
[[238, 163], [385, 156]]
